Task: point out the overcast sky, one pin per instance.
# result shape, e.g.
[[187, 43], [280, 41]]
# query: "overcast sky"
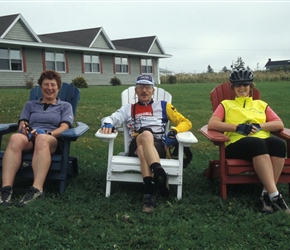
[[195, 33]]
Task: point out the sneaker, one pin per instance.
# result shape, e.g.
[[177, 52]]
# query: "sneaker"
[[148, 203], [161, 181], [266, 204], [279, 204], [32, 194], [5, 196]]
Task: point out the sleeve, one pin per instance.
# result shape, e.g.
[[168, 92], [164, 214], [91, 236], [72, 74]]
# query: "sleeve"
[[67, 115], [271, 115], [118, 117], [220, 112], [25, 113], [181, 123]]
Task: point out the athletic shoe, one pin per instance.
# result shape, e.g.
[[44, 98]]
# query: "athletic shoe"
[[32, 194], [279, 204], [148, 203], [5, 196], [161, 181], [266, 204]]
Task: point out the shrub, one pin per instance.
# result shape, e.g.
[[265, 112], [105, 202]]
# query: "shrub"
[[172, 79], [115, 81], [80, 82], [28, 81]]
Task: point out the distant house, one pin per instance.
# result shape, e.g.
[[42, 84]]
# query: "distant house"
[[88, 52], [284, 64]]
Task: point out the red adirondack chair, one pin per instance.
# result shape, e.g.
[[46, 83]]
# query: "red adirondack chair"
[[236, 171]]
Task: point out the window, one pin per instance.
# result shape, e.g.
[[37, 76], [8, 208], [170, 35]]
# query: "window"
[[121, 64], [92, 63], [55, 61], [146, 65], [10, 59]]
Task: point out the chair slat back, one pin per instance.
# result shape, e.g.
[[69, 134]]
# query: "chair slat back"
[[129, 96], [225, 92], [68, 93]]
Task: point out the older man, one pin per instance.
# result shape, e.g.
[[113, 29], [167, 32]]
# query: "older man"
[[146, 120]]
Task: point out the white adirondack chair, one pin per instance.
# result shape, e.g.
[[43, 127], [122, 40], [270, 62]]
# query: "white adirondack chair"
[[127, 169]]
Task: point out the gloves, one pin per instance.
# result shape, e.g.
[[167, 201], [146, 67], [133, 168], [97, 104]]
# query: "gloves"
[[244, 129], [257, 126], [170, 139], [109, 125]]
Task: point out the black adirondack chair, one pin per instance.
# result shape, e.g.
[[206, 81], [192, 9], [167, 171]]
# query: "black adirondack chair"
[[62, 165]]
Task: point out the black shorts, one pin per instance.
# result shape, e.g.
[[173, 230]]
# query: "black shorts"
[[249, 147], [159, 145]]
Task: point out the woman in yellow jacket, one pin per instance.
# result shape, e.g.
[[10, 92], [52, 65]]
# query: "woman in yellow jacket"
[[248, 124]]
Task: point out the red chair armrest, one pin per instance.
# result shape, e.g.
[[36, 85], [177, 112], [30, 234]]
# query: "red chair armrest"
[[214, 136]]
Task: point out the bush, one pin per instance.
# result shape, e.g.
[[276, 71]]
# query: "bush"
[[115, 81], [172, 79], [28, 81], [80, 82]]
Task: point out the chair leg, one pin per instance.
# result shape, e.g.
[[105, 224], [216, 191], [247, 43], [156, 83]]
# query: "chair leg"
[[108, 188], [179, 192], [223, 191], [62, 186]]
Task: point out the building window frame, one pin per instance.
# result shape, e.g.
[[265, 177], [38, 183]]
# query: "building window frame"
[[146, 66], [55, 60], [121, 65], [11, 59], [91, 63]]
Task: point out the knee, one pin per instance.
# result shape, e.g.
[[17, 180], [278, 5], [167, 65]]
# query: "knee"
[[145, 137]]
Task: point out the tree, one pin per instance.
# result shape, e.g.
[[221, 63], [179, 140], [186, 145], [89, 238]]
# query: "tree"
[[225, 69], [209, 69], [239, 63]]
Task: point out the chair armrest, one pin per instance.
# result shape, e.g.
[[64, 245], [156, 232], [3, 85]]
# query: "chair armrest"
[[7, 128], [285, 133], [74, 133], [186, 137], [106, 136], [213, 135]]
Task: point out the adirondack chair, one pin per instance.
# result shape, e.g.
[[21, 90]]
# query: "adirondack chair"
[[62, 165], [127, 169], [236, 171]]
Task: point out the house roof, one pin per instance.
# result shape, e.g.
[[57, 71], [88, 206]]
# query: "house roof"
[[86, 39], [135, 44], [5, 22], [280, 63]]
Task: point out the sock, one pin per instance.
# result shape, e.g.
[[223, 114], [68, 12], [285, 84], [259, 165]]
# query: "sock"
[[148, 185], [273, 195], [154, 166]]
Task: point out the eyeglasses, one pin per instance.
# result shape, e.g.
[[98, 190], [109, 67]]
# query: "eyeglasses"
[[53, 85], [239, 84], [144, 86]]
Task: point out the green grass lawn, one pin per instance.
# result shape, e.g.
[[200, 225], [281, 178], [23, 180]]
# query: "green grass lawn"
[[82, 218]]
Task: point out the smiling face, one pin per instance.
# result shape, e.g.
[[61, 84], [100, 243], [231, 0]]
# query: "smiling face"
[[144, 92], [49, 90], [242, 89]]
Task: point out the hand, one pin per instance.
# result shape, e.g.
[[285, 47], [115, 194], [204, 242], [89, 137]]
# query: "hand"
[[257, 127], [244, 129], [107, 128], [170, 139]]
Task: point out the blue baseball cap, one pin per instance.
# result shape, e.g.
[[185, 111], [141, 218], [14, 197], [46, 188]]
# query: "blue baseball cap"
[[145, 79]]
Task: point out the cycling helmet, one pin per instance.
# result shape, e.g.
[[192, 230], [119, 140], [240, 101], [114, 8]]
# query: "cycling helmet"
[[172, 153], [241, 75]]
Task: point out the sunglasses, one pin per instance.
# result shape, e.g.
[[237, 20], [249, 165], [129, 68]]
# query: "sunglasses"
[[239, 84]]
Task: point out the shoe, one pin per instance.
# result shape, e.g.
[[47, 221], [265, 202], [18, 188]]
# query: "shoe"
[[161, 181], [5, 196], [32, 194], [266, 204], [279, 204], [148, 203]]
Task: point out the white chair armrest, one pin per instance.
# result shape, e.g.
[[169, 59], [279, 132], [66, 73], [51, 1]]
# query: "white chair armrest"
[[186, 137], [106, 136]]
